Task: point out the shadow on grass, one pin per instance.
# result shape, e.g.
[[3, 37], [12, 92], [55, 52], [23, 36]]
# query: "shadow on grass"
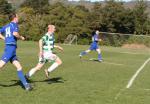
[[49, 81], [92, 59]]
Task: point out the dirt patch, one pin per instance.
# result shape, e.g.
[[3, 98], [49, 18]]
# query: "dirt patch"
[[135, 46]]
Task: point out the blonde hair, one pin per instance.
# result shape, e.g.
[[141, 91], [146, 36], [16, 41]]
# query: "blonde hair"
[[51, 28]]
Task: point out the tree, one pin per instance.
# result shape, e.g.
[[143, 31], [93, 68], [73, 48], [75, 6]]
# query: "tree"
[[5, 7], [95, 17], [40, 6], [141, 17]]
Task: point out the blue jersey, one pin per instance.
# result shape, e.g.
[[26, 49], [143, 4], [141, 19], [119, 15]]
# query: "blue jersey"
[[8, 30], [95, 38], [94, 44]]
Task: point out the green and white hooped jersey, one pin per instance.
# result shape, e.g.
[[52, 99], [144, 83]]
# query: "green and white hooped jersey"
[[48, 42]]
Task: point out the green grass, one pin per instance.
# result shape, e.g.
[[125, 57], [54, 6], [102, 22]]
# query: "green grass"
[[81, 82]]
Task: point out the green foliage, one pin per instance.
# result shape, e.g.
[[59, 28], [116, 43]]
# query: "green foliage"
[[3, 20], [40, 6], [114, 40], [139, 40], [113, 17], [141, 18], [5, 7], [35, 15], [84, 41]]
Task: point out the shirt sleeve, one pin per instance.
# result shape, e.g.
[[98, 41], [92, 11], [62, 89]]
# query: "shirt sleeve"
[[96, 38], [16, 28], [2, 30]]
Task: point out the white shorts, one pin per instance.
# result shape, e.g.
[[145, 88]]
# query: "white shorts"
[[47, 57]]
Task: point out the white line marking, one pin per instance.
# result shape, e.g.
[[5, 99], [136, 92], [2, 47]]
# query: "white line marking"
[[129, 52], [119, 93], [147, 89], [132, 79], [133, 53], [136, 74], [106, 62], [112, 63]]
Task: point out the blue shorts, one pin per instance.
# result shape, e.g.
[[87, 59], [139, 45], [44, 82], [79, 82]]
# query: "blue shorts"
[[9, 53], [94, 46]]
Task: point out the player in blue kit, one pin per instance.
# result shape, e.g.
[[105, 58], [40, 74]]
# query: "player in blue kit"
[[10, 32], [94, 46]]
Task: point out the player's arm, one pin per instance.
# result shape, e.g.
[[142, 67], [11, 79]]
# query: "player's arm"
[[1, 31], [100, 40], [16, 34], [58, 47], [2, 37], [40, 48]]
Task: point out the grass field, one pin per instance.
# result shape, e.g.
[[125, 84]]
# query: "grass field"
[[79, 82]]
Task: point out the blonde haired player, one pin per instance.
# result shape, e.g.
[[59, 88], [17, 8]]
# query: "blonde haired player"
[[46, 45]]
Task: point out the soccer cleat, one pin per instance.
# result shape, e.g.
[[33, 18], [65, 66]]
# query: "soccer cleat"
[[46, 73], [27, 77], [100, 60], [80, 56], [28, 87]]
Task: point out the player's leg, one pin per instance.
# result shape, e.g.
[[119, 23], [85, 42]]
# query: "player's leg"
[[21, 75], [8, 52], [34, 70], [84, 52], [2, 63], [57, 62], [99, 54], [87, 51]]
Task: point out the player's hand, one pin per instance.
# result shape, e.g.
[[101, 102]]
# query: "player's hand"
[[60, 48], [41, 54], [22, 38], [100, 40]]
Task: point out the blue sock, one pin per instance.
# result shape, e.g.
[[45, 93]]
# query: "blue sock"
[[83, 53], [99, 57], [22, 78]]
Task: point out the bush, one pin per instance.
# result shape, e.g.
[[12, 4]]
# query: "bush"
[[84, 41], [140, 40]]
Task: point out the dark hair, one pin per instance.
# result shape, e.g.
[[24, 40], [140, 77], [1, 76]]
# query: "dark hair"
[[12, 16], [93, 33]]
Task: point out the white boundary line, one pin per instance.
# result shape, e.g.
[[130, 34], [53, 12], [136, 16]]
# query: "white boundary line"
[[106, 62], [133, 53], [112, 63], [129, 52], [119, 93], [136, 74], [132, 79]]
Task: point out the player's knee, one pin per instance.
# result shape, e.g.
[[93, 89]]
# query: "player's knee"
[[59, 62], [1, 66], [39, 68], [87, 51], [19, 68], [99, 51]]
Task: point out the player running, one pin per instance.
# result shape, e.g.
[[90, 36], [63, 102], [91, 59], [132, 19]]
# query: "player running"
[[11, 35], [46, 46], [94, 46]]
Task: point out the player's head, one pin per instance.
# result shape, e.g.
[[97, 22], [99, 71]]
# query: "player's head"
[[51, 28], [13, 17], [97, 32]]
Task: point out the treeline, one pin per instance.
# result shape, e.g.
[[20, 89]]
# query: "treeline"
[[112, 16]]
